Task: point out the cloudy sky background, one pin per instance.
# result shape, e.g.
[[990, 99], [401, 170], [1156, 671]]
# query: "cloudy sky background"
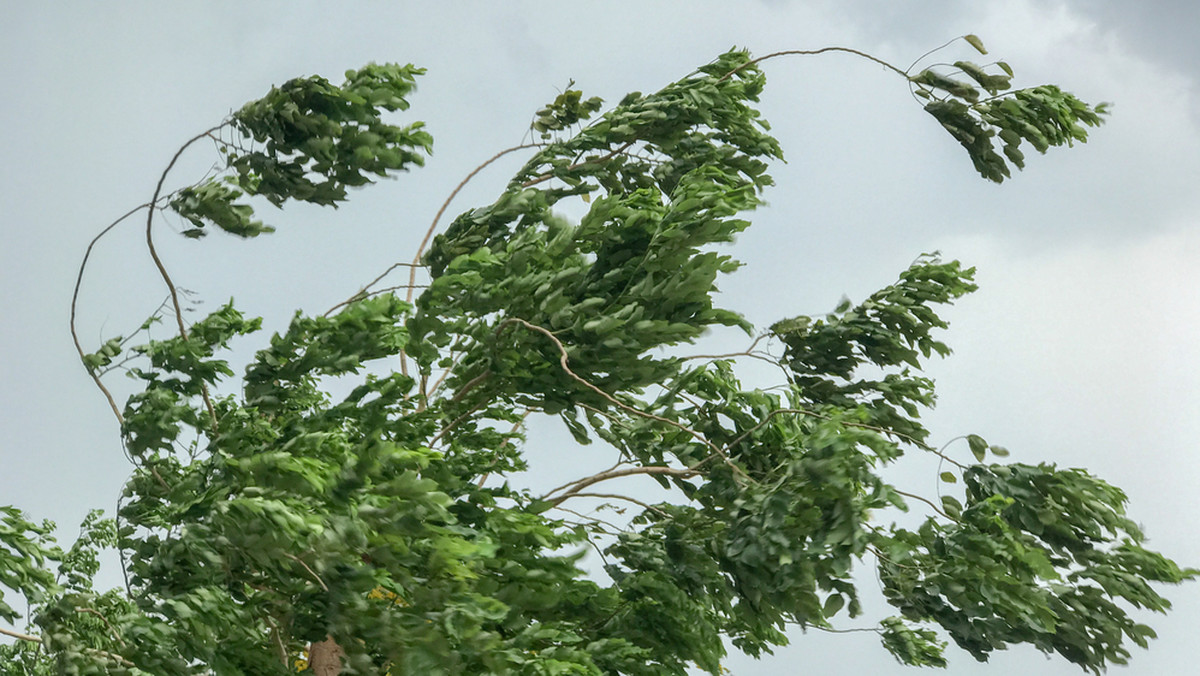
[[1079, 348]]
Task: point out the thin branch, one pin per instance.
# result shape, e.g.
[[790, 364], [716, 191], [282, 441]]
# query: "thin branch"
[[746, 352], [595, 160], [556, 489], [809, 52], [445, 373], [365, 293], [612, 496], [592, 521], [416, 261], [75, 305], [941, 453], [162, 270], [579, 485], [454, 423], [853, 630], [562, 360], [926, 501], [20, 636], [316, 577], [103, 619], [470, 385], [278, 636], [932, 51]]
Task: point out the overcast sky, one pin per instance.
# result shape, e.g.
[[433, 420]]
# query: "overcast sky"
[[1079, 348]]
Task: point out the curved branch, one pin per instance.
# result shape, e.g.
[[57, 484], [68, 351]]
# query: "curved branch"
[[562, 361], [810, 52], [612, 496], [926, 501], [75, 306], [162, 270], [103, 619], [416, 261], [577, 487]]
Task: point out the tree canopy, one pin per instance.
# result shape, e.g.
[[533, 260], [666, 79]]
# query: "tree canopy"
[[344, 506]]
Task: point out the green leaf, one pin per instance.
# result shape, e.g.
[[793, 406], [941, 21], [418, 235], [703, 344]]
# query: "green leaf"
[[948, 477], [975, 42], [832, 605], [951, 506], [978, 446]]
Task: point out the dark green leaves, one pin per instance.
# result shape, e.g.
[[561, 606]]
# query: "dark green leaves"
[[567, 109], [357, 485], [319, 139], [1037, 555], [308, 141], [214, 202], [1042, 116]]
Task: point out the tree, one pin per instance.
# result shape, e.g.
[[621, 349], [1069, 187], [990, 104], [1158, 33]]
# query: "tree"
[[343, 508]]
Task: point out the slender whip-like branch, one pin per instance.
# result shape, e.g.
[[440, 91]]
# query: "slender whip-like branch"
[[810, 52], [609, 496], [75, 307], [162, 269], [416, 261], [111, 629]]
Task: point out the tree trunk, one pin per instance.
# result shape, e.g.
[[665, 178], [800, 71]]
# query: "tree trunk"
[[325, 657]]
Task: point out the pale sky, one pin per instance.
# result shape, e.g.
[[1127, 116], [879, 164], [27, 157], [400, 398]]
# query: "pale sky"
[[1078, 349]]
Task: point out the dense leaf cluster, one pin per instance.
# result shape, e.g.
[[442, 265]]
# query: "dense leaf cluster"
[[351, 488]]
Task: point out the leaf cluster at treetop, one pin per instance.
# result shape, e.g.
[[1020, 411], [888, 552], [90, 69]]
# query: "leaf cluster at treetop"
[[271, 527]]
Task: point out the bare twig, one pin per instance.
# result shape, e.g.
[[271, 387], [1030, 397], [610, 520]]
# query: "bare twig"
[[416, 261], [366, 293], [75, 306], [556, 489], [809, 52], [162, 270], [746, 352], [926, 501], [611, 496]]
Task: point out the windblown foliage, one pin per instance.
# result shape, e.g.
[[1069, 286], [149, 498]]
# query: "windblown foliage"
[[271, 526]]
